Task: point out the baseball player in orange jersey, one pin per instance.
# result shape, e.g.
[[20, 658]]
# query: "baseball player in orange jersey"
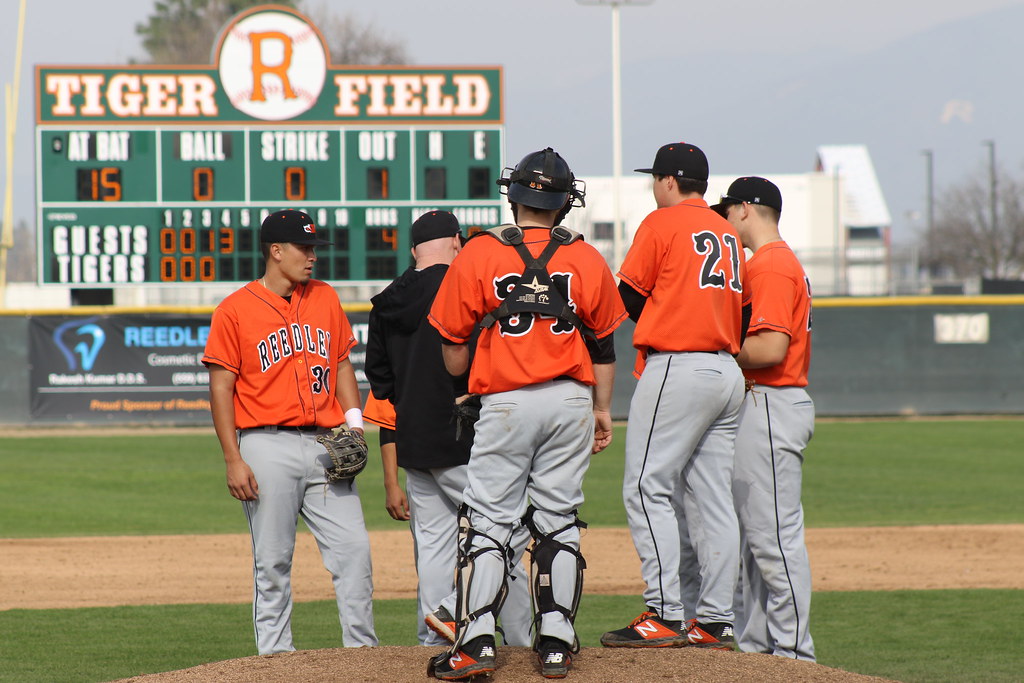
[[546, 395], [280, 376], [682, 282], [775, 425]]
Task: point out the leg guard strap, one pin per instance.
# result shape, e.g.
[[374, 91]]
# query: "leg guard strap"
[[542, 557], [465, 570]]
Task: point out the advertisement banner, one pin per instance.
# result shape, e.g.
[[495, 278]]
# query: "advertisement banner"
[[119, 368], [130, 368]]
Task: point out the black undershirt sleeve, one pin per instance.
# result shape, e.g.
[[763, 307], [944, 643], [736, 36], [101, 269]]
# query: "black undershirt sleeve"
[[633, 301], [601, 350]]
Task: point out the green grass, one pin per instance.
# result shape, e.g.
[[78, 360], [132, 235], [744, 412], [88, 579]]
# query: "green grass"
[[909, 636], [856, 474], [917, 636], [911, 473]]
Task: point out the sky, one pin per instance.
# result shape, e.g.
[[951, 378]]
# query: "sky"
[[548, 48]]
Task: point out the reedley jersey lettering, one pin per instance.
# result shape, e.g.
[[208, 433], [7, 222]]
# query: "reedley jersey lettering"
[[292, 339], [284, 349]]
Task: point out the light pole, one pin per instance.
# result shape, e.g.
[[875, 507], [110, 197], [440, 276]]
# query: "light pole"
[[10, 124], [929, 203], [991, 144], [617, 228]]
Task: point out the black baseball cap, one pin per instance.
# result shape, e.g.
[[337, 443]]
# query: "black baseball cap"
[[752, 190], [679, 159], [434, 225], [291, 226]]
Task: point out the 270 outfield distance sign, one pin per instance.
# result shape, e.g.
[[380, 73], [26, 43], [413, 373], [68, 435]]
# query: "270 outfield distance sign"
[[164, 174]]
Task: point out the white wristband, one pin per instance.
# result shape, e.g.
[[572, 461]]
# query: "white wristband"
[[354, 418]]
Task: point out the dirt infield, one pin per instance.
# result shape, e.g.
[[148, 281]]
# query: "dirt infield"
[[135, 570], [515, 665]]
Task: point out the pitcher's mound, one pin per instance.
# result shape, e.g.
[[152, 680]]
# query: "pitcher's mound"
[[515, 665]]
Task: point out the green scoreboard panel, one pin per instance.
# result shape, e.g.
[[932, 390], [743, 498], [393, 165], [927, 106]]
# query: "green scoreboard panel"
[[163, 174], [161, 206]]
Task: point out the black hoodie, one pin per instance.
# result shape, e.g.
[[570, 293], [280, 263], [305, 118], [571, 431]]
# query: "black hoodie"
[[404, 365]]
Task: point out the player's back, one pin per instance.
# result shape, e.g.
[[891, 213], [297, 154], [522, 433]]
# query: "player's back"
[[690, 263], [529, 348]]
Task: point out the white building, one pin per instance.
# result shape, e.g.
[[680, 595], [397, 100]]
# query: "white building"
[[834, 218]]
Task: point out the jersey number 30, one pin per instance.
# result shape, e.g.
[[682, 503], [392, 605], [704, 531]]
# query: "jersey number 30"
[[321, 379]]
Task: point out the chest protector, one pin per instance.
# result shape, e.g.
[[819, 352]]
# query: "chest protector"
[[536, 292]]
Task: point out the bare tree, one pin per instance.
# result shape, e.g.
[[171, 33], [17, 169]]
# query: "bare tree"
[[352, 41], [967, 242], [184, 32], [21, 259]]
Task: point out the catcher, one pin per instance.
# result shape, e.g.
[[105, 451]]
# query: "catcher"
[[404, 364], [280, 380]]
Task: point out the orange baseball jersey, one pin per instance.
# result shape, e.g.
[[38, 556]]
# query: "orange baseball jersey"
[[689, 263], [780, 295], [285, 354], [379, 411], [530, 348]]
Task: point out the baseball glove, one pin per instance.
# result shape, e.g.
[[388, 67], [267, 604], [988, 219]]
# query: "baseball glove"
[[348, 452], [466, 413]]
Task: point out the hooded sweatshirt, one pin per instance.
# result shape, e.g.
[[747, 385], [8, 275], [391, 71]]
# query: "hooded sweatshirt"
[[404, 365]]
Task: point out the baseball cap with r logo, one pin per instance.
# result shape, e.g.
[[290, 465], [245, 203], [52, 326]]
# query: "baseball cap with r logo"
[[291, 226]]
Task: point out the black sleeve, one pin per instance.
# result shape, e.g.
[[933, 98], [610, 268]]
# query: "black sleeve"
[[601, 350], [745, 324], [386, 436], [377, 364], [633, 301]]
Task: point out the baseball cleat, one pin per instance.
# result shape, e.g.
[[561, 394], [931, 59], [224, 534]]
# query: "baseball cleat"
[[442, 623], [555, 657], [475, 658], [714, 635], [647, 630]]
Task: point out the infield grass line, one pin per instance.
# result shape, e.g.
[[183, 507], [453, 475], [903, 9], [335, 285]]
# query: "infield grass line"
[[910, 636]]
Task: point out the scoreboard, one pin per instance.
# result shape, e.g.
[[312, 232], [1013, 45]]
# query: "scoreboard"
[[164, 174], [162, 205]]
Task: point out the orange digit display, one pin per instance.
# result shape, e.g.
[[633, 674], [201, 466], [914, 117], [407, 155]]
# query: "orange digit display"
[[207, 269], [168, 240], [168, 269], [295, 183], [99, 184], [202, 184], [227, 240], [187, 241]]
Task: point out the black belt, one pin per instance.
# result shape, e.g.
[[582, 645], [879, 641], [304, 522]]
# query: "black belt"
[[651, 352], [294, 428]]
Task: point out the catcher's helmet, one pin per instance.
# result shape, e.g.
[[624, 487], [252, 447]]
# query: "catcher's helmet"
[[544, 181]]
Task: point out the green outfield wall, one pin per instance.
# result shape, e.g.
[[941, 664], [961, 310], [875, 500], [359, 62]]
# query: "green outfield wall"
[[871, 356]]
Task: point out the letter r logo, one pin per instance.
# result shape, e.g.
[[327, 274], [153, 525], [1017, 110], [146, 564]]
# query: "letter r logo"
[[272, 64], [261, 69]]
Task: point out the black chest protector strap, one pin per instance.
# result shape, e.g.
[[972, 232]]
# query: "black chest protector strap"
[[536, 292]]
